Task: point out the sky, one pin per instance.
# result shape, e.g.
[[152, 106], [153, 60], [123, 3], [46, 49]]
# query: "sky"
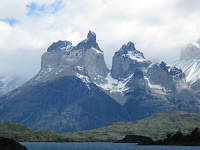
[[158, 28]]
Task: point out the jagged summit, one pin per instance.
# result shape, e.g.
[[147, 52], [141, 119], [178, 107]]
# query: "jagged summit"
[[126, 60], [86, 61], [89, 42], [59, 46], [129, 51], [172, 70], [128, 47], [91, 36], [164, 66]]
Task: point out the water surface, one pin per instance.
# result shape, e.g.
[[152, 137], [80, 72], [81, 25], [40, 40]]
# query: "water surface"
[[101, 146]]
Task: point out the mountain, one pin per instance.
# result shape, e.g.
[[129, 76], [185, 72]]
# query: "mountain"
[[146, 87], [74, 90], [157, 126], [64, 96], [189, 62], [9, 83]]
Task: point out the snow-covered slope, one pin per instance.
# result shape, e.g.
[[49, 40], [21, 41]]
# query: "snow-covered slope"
[[8, 83], [191, 68], [189, 62]]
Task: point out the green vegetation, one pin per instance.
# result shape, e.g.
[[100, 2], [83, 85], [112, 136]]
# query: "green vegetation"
[[192, 139], [22, 133], [156, 127]]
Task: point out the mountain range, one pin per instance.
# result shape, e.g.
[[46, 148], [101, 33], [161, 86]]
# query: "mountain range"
[[75, 90]]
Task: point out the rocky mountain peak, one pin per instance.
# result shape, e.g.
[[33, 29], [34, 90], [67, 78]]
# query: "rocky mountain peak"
[[91, 36], [129, 47], [164, 66], [89, 42], [59, 46], [175, 72], [130, 51], [85, 61], [126, 60]]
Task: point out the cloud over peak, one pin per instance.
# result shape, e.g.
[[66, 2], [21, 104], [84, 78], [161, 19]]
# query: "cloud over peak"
[[159, 28]]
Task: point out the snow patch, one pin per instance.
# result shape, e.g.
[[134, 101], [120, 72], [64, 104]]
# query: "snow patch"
[[60, 70], [114, 86], [85, 79], [49, 68], [6, 80], [134, 56], [97, 51], [44, 72], [154, 86], [68, 46], [63, 48], [191, 68], [80, 68], [196, 44]]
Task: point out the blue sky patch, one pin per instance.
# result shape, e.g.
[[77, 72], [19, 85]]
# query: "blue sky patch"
[[11, 21], [35, 9]]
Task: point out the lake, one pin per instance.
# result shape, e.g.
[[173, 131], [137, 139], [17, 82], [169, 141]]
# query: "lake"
[[101, 146]]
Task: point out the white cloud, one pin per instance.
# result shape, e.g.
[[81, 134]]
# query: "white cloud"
[[159, 28]]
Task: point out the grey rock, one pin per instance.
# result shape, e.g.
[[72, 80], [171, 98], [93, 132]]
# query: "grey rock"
[[85, 59], [59, 46], [89, 42], [171, 78], [126, 60]]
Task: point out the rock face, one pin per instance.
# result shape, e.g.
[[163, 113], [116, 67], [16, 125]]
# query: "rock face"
[[169, 78], [59, 46], [64, 95], [86, 60], [74, 90], [126, 60]]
